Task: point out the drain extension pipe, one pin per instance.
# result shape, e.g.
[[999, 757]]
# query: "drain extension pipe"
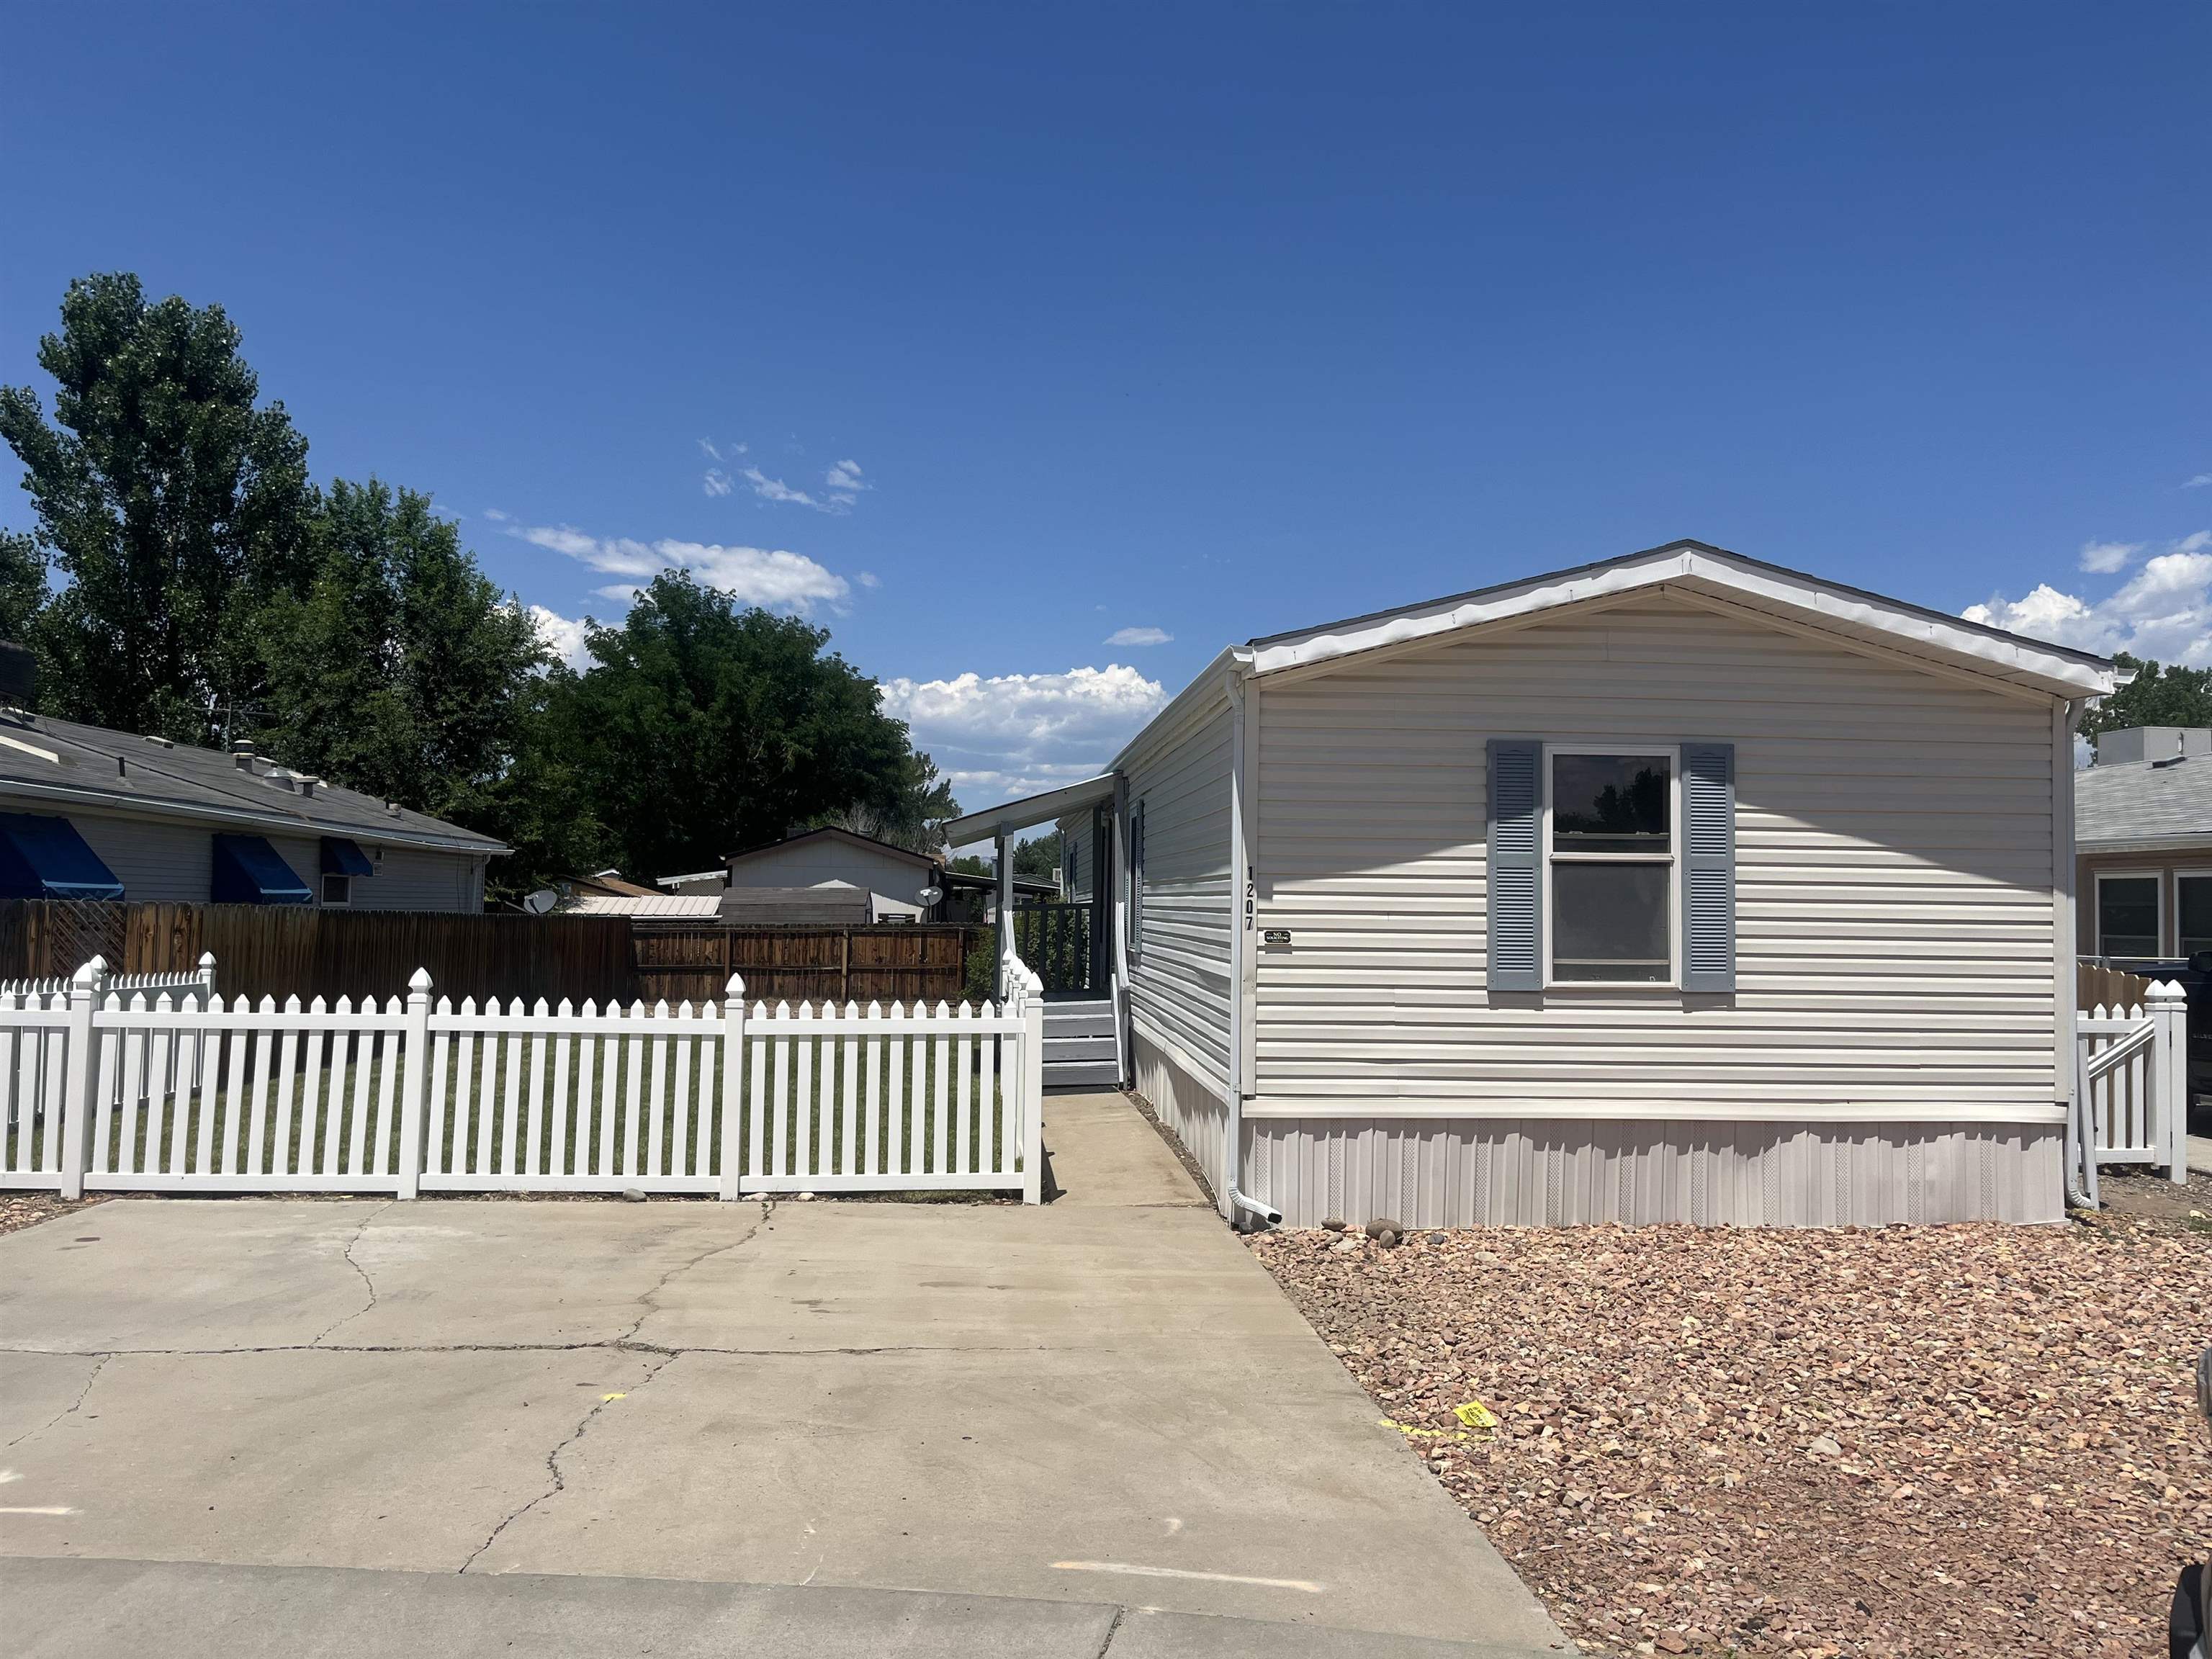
[[1239, 1204]]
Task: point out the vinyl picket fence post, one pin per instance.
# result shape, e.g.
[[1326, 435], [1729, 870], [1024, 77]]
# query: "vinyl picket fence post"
[[2168, 1005], [414, 1084], [81, 1085], [733, 1095], [1032, 1087]]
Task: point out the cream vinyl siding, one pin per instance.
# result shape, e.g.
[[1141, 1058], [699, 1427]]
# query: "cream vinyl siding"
[[1895, 925], [1179, 962]]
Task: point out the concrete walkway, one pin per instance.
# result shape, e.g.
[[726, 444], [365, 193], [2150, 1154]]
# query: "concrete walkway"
[[1101, 1403]]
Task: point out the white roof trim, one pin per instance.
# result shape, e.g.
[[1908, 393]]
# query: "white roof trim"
[[1030, 810], [1842, 610], [157, 811]]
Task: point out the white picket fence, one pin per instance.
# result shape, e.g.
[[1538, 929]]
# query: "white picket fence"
[[169, 1090], [2130, 1096]]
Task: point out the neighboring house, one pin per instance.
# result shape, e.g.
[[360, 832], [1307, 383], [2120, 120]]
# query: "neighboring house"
[[2142, 841], [894, 879], [89, 813], [1677, 887]]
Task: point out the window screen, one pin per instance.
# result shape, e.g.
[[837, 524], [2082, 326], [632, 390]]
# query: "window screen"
[[2127, 915]]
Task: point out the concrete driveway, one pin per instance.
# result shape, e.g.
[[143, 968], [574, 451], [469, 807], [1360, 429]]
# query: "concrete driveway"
[[1061, 1416]]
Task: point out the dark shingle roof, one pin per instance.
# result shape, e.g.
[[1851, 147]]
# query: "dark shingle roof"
[[2140, 802], [55, 764]]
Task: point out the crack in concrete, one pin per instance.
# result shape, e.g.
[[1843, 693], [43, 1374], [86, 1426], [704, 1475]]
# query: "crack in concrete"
[[366, 1280], [70, 1409], [1112, 1630], [648, 1304], [553, 1465]]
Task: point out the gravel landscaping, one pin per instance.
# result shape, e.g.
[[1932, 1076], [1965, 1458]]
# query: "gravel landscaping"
[[1957, 1441], [25, 1208]]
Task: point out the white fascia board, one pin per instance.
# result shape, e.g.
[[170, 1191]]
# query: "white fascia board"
[[1205, 686], [1842, 610], [1028, 811]]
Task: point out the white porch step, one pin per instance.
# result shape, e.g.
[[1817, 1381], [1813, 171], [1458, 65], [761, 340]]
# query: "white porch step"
[[1082, 1074], [1083, 1022]]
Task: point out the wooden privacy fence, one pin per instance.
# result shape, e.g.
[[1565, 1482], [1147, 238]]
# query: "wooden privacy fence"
[[888, 962], [159, 1092], [283, 951], [2130, 1096], [2099, 986]]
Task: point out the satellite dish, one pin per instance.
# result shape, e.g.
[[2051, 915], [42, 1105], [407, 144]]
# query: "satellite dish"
[[540, 902], [929, 895]]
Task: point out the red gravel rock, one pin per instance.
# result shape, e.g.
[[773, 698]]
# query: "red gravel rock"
[[1950, 1442]]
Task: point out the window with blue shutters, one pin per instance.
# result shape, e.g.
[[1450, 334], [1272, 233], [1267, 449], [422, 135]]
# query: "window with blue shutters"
[[1612, 865]]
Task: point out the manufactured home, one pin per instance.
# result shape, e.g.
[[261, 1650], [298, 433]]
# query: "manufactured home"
[[1676, 887]]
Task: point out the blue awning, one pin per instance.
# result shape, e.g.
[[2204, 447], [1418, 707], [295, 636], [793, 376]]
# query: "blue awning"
[[45, 857], [248, 871], [344, 858]]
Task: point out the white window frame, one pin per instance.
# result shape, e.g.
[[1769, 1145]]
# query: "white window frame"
[[2197, 874], [1640, 748], [323, 898], [2157, 878]]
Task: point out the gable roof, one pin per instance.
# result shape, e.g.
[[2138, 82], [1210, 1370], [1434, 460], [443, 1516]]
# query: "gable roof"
[[1699, 568], [51, 765], [2143, 805], [905, 852]]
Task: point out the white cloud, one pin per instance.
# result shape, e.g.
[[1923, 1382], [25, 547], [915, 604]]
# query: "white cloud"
[[496, 515], [771, 578], [774, 489], [719, 482], [2164, 611], [2103, 558], [868, 579], [563, 636], [706, 448], [1138, 636], [2199, 481], [1002, 735]]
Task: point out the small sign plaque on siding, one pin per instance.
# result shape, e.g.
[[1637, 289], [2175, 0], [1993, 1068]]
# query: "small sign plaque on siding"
[[1275, 936]]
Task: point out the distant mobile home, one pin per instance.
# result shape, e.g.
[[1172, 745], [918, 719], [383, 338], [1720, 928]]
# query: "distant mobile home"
[[1676, 887]]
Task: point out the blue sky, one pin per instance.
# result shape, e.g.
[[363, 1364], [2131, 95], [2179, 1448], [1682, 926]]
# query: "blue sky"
[[1197, 322]]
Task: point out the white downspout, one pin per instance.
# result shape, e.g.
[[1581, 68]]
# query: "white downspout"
[[1235, 1201]]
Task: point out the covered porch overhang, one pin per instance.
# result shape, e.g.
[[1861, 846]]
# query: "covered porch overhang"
[[1001, 823]]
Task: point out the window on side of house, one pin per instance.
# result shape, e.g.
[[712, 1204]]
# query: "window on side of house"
[[2127, 915], [337, 889], [2192, 906], [1609, 866]]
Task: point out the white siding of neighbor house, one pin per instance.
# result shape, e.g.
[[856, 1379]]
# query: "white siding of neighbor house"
[[1179, 957], [166, 861], [829, 858], [1895, 921]]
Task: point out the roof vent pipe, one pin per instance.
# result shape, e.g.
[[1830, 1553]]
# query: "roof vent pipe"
[[241, 754]]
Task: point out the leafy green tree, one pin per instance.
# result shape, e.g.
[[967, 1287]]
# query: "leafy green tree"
[[1038, 858], [702, 725], [400, 670], [173, 504], [2157, 696], [22, 585]]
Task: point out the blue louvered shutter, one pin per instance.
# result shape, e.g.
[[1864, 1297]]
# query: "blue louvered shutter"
[[1516, 922], [1709, 866]]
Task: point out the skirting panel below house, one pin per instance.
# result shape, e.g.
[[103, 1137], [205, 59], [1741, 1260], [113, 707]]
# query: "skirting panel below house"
[[1189, 1103], [1558, 1172]]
